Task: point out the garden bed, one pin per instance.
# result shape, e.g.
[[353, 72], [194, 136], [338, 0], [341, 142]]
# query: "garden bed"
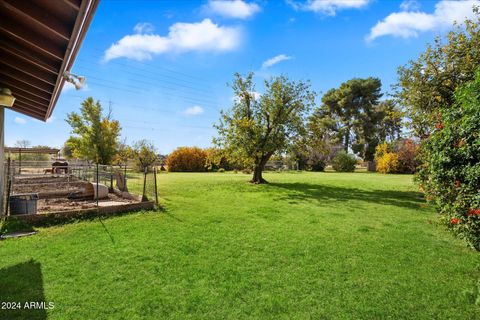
[[61, 199], [59, 217]]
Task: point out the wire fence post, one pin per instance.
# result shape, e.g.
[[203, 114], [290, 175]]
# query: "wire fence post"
[[111, 178], [20, 161], [125, 177], [144, 195], [155, 184], [97, 184]]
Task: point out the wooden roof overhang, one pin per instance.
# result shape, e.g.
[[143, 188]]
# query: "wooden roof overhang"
[[39, 40]]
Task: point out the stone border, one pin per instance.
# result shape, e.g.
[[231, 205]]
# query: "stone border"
[[59, 217]]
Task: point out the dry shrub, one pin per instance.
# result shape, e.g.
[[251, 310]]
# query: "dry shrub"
[[187, 159]]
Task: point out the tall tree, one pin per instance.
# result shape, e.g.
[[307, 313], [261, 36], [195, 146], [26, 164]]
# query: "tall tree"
[[95, 136], [145, 154], [391, 120], [23, 143], [124, 153], [427, 84], [351, 112], [254, 129]]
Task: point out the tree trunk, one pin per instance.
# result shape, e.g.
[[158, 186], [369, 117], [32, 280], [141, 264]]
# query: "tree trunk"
[[257, 172], [347, 140]]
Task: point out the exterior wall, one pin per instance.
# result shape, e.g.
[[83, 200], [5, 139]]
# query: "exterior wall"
[[2, 158]]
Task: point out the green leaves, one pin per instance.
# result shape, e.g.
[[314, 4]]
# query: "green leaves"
[[352, 115], [451, 174], [94, 137], [257, 127], [429, 83]]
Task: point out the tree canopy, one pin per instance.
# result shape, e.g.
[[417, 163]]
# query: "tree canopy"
[[95, 136], [255, 128], [427, 84], [144, 152], [351, 116]]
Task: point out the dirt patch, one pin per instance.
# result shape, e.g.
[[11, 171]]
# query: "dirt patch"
[[64, 204], [47, 184], [54, 193]]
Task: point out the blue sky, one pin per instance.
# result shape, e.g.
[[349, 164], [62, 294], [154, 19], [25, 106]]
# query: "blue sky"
[[163, 66]]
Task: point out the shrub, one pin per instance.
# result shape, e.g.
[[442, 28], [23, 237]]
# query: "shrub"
[[450, 173], [317, 165], [397, 157], [216, 159], [221, 170], [316, 161], [11, 224], [187, 159], [344, 162], [407, 152], [386, 160], [388, 163]]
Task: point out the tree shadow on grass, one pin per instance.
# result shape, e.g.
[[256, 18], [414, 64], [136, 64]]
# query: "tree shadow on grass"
[[295, 193], [22, 283]]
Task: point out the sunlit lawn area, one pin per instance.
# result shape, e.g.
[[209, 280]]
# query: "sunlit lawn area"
[[308, 245]]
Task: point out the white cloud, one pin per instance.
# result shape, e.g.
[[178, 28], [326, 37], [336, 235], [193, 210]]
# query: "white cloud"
[[328, 7], [143, 27], [279, 58], [408, 24], [51, 119], [238, 9], [19, 120], [410, 5], [193, 111], [182, 37]]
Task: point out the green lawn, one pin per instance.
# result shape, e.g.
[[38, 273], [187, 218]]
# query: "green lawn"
[[306, 246]]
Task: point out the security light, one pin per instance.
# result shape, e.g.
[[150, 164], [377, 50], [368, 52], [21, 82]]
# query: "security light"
[[6, 98], [77, 81]]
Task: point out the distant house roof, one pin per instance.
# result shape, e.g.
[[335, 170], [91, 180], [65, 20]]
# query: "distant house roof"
[[39, 40], [32, 150]]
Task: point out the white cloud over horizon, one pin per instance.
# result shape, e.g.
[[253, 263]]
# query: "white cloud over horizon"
[[277, 59], [410, 23], [20, 120], [182, 37], [193, 111], [237, 9], [328, 7]]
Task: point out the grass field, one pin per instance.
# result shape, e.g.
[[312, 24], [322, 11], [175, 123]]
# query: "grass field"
[[306, 246]]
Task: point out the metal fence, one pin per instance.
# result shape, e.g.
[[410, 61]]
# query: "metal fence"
[[38, 176]]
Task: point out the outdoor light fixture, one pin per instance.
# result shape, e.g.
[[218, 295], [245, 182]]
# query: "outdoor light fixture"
[[77, 81], [6, 98]]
